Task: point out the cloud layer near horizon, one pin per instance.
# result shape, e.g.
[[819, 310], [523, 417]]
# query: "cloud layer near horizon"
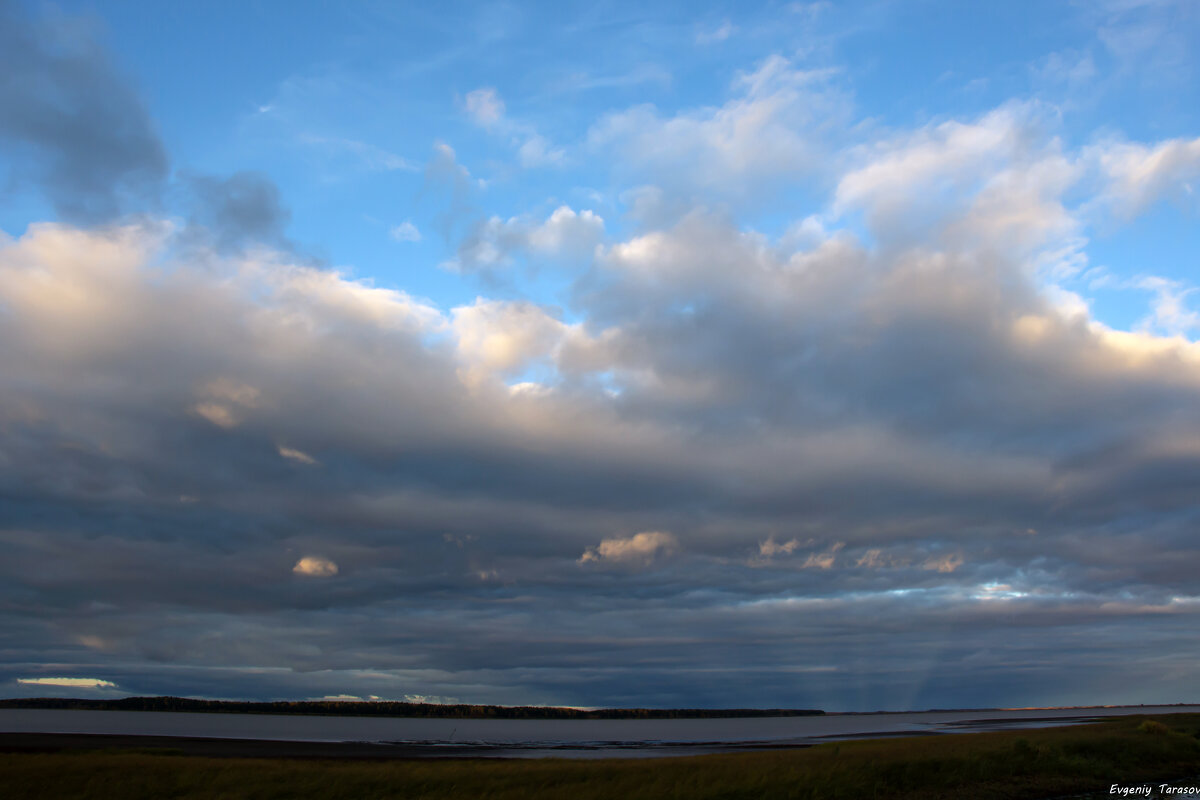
[[882, 459]]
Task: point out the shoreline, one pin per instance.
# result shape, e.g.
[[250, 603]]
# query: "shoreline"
[[246, 747], [392, 709], [220, 747], [73, 731], [461, 711], [200, 746]]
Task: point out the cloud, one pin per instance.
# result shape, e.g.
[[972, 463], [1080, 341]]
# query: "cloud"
[[93, 642], [1150, 39], [1073, 70], [497, 339], [82, 131], [825, 559], [954, 154], [504, 337], [993, 182], [771, 548], [947, 563], [73, 683], [565, 234], [537, 151], [315, 567], [641, 549], [484, 106], [719, 34], [902, 379], [225, 402], [240, 210], [430, 698], [300, 457], [217, 414], [646, 72], [233, 391], [444, 174], [774, 126], [1138, 174], [405, 232], [788, 383], [872, 559], [1170, 313]]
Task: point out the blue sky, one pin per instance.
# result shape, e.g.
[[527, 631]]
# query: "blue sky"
[[342, 107], [601, 354]]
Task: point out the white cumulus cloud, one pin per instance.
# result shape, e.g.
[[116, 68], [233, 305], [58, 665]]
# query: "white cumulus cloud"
[[73, 683], [1140, 174], [565, 235], [640, 549], [775, 125], [316, 567]]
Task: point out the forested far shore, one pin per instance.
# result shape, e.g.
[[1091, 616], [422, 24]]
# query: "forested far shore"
[[387, 708]]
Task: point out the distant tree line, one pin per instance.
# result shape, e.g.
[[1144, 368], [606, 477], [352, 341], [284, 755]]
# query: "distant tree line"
[[384, 708]]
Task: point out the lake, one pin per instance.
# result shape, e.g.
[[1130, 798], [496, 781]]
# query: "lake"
[[523, 738]]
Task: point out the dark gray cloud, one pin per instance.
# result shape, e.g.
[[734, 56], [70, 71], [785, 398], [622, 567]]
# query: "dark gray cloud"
[[244, 208], [74, 125], [876, 483]]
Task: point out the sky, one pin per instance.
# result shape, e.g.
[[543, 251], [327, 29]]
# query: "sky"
[[810, 355]]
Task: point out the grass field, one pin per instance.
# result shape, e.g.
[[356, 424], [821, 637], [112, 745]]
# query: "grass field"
[[1021, 764]]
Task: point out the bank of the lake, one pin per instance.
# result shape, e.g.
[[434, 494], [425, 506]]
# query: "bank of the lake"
[[1009, 765], [535, 738], [389, 708]]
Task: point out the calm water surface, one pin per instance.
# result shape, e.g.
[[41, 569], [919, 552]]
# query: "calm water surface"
[[562, 738]]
